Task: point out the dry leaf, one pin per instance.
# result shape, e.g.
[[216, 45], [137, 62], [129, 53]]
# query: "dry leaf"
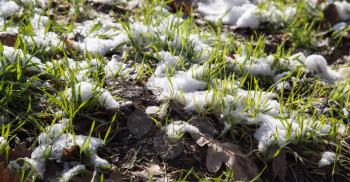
[[280, 166], [185, 5], [231, 156], [204, 124], [20, 151], [155, 172], [218, 153], [72, 153], [227, 153], [69, 45], [6, 175], [8, 39]]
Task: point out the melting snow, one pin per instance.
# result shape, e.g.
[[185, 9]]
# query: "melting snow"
[[318, 65], [3, 143], [327, 159], [101, 46], [8, 8], [11, 55], [86, 90], [66, 176], [52, 143]]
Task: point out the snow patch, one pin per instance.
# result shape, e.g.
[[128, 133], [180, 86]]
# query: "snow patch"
[[8, 8], [52, 143], [85, 90], [11, 56], [101, 46], [318, 65], [327, 159], [66, 176], [3, 144]]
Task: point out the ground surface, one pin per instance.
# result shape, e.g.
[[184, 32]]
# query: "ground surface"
[[179, 90]]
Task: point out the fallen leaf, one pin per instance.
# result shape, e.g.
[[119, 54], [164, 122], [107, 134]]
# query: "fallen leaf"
[[8, 39], [204, 124], [154, 172], [71, 153], [20, 151], [218, 153], [6, 175], [231, 156], [185, 6], [69, 45]]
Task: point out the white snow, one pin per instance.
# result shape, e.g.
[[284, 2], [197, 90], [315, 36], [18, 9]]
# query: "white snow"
[[101, 46], [66, 176], [52, 143], [11, 56], [343, 8], [103, 1], [175, 85], [41, 3], [8, 8], [117, 67], [339, 26], [243, 13], [249, 19], [39, 22], [151, 110], [3, 144], [318, 64], [44, 39], [176, 128], [166, 64], [327, 159], [85, 90]]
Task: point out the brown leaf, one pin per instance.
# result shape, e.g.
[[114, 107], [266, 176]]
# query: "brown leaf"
[[6, 175], [232, 157], [73, 153], [154, 172], [227, 153], [185, 6], [280, 166], [19, 151], [8, 39], [204, 124], [69, 44]]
